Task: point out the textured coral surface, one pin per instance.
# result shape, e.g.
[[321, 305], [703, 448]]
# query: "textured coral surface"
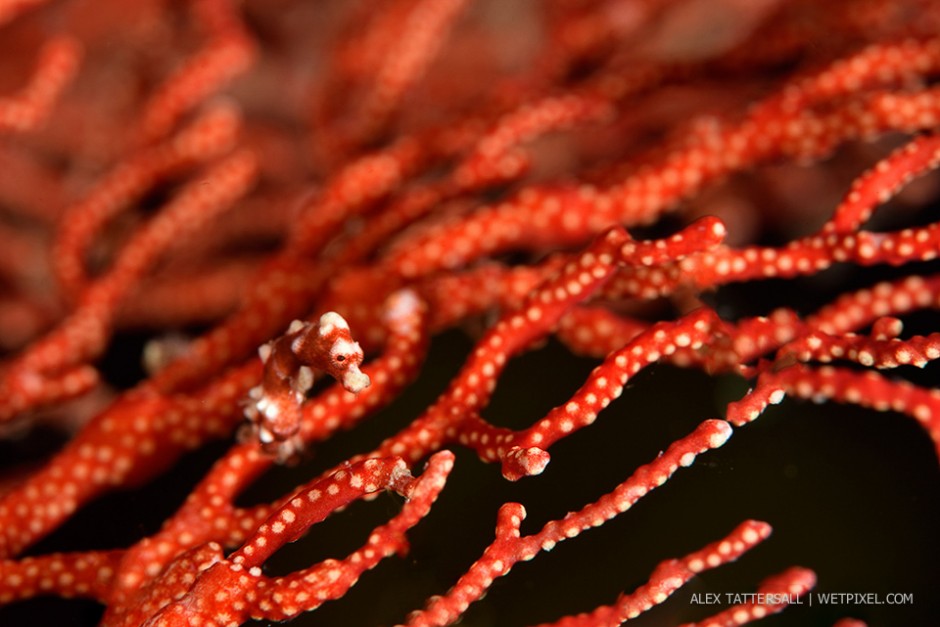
[[380, 312]]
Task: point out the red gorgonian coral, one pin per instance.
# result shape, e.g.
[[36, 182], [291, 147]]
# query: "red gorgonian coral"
[[263, 261]]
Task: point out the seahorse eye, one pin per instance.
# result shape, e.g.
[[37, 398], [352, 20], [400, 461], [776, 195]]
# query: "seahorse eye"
[[341, 358]]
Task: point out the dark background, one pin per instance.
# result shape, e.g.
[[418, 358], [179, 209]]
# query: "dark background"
[[852, 494]]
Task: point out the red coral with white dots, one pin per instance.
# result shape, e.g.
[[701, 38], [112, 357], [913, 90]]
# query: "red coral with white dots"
[[282, 208]]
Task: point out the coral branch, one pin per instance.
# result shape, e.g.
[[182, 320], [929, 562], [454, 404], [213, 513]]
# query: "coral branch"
[[670, 575], [487, 223], [510, 547]]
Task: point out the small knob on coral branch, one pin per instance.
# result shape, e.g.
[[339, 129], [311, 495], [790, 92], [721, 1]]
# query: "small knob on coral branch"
[[524, 462]]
